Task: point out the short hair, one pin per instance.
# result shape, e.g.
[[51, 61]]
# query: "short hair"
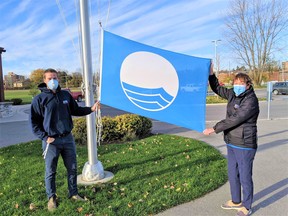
[[244, 77], [49, 70]]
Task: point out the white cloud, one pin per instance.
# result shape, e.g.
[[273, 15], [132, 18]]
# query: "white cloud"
[[35, 36]]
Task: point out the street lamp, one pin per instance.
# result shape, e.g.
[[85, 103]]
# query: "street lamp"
[[215, 60], [1, 76]]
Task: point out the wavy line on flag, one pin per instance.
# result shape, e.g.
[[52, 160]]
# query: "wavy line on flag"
[[148, 91], [144, 96], [157, 97], [154, 98], [147, 102], [148, 105]]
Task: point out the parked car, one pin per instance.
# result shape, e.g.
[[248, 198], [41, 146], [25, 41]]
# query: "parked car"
[[280, 88], [76, 95]]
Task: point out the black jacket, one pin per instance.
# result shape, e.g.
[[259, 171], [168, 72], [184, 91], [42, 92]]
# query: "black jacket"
[[51, 113], [240, 124]]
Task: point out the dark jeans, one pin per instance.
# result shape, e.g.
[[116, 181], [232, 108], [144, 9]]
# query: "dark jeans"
[[240, 164], [66, 147]]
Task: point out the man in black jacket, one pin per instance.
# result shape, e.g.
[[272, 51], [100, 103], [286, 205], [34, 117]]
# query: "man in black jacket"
[[240, 135], [51, 120]]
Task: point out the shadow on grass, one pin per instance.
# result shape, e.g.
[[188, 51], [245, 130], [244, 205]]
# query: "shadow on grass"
[[171, 170]]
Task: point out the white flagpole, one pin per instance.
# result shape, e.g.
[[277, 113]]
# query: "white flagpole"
[[93, 171]]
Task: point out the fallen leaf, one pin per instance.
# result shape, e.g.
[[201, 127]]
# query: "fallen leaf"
[[32, 206]]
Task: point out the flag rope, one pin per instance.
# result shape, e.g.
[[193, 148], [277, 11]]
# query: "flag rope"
[[98, 121], [99, 126]]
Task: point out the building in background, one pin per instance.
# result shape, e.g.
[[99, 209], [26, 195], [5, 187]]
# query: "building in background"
[[12, 80], [285, 66]]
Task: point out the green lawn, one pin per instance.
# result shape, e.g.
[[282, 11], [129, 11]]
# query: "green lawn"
[[151, 175], [23, 94]]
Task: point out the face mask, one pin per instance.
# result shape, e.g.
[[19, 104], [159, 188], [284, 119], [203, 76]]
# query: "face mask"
[[239, 89], [53, 84]]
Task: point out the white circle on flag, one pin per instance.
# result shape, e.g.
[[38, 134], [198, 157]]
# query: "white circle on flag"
[[149, 81]]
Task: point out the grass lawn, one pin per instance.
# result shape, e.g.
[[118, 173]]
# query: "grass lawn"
[[151, 175], [23, 94]]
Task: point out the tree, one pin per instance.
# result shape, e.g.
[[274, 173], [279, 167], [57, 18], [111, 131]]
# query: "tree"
[[254, 30], [33, 91], [272, 66], [76, 79], [63, 78], [36, 76]]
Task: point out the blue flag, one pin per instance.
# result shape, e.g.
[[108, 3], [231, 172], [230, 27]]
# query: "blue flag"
[[153, 82]]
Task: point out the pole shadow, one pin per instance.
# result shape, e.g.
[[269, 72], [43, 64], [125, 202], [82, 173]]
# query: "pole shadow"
[[272, 198], [274, 133]]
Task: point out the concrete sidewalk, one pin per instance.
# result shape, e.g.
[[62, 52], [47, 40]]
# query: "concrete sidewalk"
[[16, 129], [270, 166], [270, 174]]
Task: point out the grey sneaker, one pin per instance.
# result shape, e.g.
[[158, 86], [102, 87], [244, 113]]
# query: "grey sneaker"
[[230, 205], [52, 204], [78, 198], [244, 212]]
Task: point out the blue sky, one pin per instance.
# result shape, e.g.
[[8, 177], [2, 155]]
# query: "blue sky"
[[35, 35]]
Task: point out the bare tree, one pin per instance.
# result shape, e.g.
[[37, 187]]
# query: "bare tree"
[[254, 30]]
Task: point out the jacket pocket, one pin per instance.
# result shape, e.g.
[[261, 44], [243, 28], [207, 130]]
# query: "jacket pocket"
[[235, 136], [237, 133], [250, 135]]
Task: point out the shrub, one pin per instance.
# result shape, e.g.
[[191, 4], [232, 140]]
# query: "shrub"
[[109, 132], [80, 131], [120, 128], [33, 92], [146, 127], [16, 101], [131, 126]]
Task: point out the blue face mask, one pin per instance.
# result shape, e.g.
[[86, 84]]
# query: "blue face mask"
[[53, 84], [239, 89]]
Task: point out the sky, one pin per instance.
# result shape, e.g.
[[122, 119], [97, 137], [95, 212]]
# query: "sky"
[[44, 34]]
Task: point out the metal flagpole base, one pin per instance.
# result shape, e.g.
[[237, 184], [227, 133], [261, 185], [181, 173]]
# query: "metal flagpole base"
[[94, 174]]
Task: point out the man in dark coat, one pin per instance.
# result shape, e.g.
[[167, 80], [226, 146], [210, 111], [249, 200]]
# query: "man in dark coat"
[[240, 135], [51, 120]]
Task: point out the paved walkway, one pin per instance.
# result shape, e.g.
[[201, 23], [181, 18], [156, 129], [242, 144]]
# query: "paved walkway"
[[16, 129], [270, 174], [270, 166]]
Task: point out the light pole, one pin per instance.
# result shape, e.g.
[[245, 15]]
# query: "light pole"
[[215, 60], [2, 99]]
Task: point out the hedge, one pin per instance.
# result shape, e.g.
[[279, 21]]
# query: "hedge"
[[16, 101], [117, 129]]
